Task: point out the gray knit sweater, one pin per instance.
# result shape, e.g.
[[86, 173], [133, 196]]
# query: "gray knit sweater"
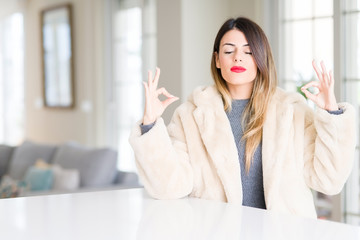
[[252, 182]]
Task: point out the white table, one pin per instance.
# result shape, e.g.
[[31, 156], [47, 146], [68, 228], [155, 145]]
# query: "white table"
[[131, 214]]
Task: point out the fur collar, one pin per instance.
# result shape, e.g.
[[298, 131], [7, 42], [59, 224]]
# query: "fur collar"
[[216, 134]]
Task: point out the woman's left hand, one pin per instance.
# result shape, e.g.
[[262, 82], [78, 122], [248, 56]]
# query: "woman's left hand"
[[325, 99]]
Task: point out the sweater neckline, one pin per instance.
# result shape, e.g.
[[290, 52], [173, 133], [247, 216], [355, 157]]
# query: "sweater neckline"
[[239, 102]]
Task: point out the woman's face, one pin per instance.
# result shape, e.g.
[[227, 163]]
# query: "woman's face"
[[236, 63]]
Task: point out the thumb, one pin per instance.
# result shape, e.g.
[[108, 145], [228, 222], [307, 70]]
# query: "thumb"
[[169, 101]]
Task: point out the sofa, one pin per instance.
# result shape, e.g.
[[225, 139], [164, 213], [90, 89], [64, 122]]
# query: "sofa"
[[36, 169]]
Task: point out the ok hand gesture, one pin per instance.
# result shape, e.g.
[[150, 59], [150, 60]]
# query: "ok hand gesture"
[[325, 99], [154, 108]]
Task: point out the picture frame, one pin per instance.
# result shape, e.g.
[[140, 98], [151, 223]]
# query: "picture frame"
[[57, 54]]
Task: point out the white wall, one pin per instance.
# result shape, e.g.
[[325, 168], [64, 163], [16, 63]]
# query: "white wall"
[[59, 125], [9, 7], [200, 24], [250, 9], [169, 49], [189, 48]]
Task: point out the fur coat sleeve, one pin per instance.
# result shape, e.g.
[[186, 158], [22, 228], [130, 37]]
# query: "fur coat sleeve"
[[162, 159], [329, 142]]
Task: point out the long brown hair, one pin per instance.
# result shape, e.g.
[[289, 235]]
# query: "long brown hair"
[[264, 84]]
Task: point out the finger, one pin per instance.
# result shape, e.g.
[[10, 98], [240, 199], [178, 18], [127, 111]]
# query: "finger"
[[310, 84], [324, 72], [322, 64], [164, 92], [317, 70], [309, 95], [146, 89], [169, 101], [331, 79], [150, 78], [156, 78]]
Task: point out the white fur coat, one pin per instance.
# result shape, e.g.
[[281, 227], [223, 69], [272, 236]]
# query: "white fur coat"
[[196, 154]]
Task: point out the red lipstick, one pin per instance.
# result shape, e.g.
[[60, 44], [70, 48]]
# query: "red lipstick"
[[238, 69]]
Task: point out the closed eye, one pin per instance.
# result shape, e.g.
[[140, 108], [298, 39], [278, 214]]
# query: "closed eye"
[[228, 52], [248, 53]]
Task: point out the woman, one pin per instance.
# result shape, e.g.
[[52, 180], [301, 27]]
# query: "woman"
[[245, 140]]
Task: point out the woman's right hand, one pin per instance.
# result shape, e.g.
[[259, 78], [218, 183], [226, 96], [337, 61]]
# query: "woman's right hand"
[[154, 108]]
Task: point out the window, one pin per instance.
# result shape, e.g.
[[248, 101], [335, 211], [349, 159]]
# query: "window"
[[320, 30], [12, 79], [351, 90], [133, 43], [307, 34]]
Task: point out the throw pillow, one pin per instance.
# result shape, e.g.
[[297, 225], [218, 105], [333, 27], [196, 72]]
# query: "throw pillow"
[[97, 167], [12, 188], [65, 179], [26, 155], [40, 163], [39, 179]]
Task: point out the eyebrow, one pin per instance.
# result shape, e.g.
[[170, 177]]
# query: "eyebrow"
[[231, 44]]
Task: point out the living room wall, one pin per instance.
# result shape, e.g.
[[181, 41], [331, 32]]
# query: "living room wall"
[[78, 124], [200, 23], [186, 31]]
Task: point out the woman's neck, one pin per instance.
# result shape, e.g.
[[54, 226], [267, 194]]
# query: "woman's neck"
[[242, 91]]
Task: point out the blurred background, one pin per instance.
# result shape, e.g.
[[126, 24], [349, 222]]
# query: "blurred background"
[[115, 42]]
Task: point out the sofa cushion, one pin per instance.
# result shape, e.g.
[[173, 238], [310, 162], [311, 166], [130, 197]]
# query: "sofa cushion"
[[127, 179], [97, 167], [39, 179], [26, 155], [65, 179], [5, 155]]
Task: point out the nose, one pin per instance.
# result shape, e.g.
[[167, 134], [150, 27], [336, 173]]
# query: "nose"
[[237, 58]]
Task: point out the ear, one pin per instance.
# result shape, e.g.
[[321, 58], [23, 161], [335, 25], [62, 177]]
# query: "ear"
[[217, 59]]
